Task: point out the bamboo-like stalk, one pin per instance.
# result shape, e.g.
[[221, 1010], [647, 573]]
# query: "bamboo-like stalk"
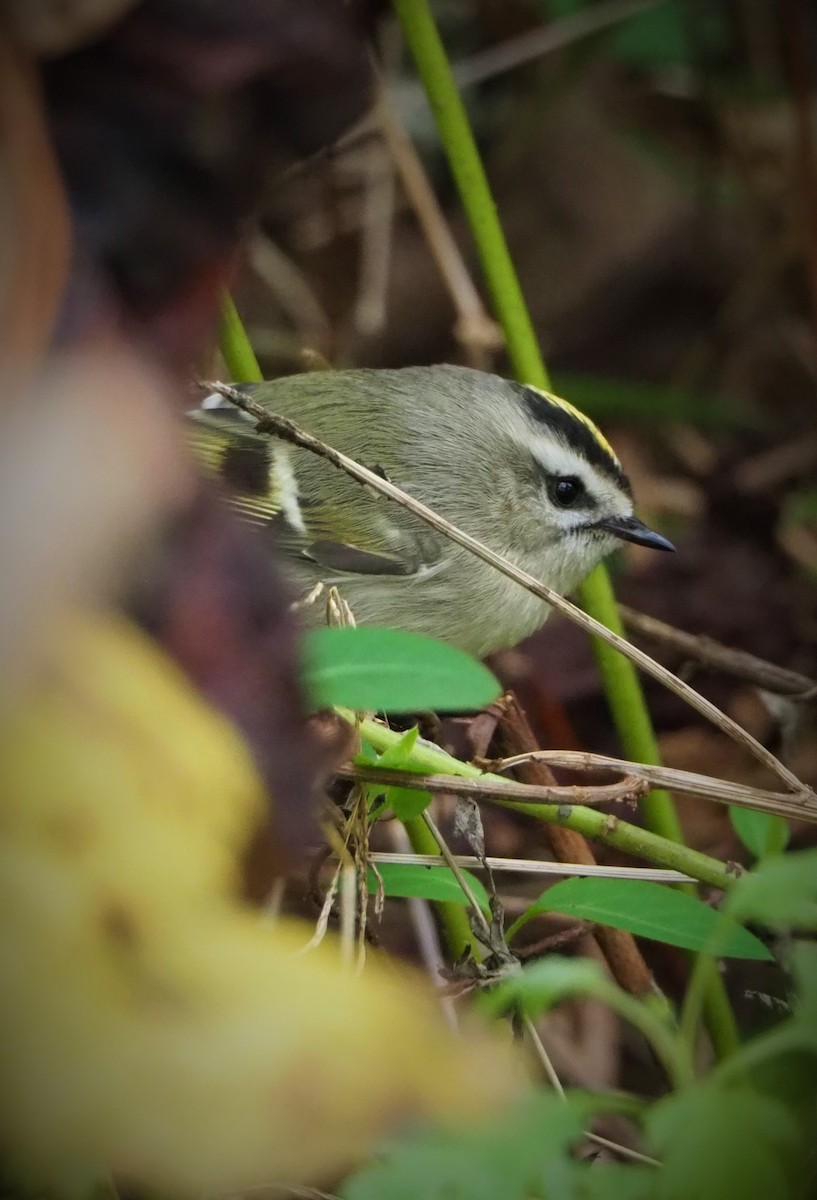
[[622, 687]]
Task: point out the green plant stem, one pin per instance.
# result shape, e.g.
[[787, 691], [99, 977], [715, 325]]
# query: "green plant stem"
[[420, 32], [235, 346], [453, 917], [588, 821], [626, 698], [622, 687]]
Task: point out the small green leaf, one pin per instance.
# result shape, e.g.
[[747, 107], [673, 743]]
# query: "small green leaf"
[[779, 893], [427, 883], [404, 802], [546, 983], [649, 910], [763, 834], [391, 670], [407, 803], [398, 756]]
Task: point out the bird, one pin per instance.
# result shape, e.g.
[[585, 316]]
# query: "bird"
[[520, 469]]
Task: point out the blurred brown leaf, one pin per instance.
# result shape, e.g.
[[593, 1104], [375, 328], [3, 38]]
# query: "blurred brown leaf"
[[35, 244]]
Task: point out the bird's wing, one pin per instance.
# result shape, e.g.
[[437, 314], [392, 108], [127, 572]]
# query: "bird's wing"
[[316, 514]]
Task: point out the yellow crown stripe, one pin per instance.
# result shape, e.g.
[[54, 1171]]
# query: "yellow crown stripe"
[[591, 426]]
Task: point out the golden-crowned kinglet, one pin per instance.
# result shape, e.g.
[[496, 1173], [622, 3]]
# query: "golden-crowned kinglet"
[[521, 470]]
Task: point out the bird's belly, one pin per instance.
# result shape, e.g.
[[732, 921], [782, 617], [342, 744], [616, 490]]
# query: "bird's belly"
[[472, 606]]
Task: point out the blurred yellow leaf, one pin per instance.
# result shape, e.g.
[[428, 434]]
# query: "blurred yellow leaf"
[[154, 1025]]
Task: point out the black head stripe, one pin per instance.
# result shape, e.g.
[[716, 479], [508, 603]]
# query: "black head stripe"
[[576, 433]]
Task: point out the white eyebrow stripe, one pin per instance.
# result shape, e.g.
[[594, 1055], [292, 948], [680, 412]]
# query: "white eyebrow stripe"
[[557, 458]]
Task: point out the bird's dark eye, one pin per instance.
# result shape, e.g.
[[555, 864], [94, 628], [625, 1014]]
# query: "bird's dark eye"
[[565, 490]]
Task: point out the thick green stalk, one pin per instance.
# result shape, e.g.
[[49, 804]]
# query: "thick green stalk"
[[622, 687], [626, 698], [432, 64]]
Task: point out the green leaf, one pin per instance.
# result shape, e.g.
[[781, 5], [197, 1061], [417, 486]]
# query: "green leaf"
[[398, 756], [763, 834], [404, 802], [546, 983], [407, 803], [721, 1142], [779, 893], [612, 1181], [390, 670], [427, 883], [649, 910]]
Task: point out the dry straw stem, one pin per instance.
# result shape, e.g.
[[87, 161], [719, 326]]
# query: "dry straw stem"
[[688, 783], [533, 866], [629, 788], [276, 426], [477, 332]]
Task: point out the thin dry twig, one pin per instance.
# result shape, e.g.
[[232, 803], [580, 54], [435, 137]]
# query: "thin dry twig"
[[545, 39], [629, 788], [475, 329], [710, 653], [292, 290], [376, 240], [276, 426], [454, 867], [688, 783], [510, 54]]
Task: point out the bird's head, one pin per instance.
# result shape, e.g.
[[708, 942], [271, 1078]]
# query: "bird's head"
[[583, 499]]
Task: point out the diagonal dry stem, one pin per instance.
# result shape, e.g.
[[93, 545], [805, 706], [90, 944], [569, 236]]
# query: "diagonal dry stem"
[[689, 783]]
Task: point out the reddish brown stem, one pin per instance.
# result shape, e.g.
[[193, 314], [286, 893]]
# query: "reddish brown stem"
[[618, 947]]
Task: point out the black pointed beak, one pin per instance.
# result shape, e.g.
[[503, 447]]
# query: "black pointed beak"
[[630, 529]]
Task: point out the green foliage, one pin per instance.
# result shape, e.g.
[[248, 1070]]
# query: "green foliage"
[[427, 883], [780, 893], [405, 803], [719, 1142], [763, 834], [390, 670], [520, 1154], [632, 400], [650, 910], [660, 37]]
